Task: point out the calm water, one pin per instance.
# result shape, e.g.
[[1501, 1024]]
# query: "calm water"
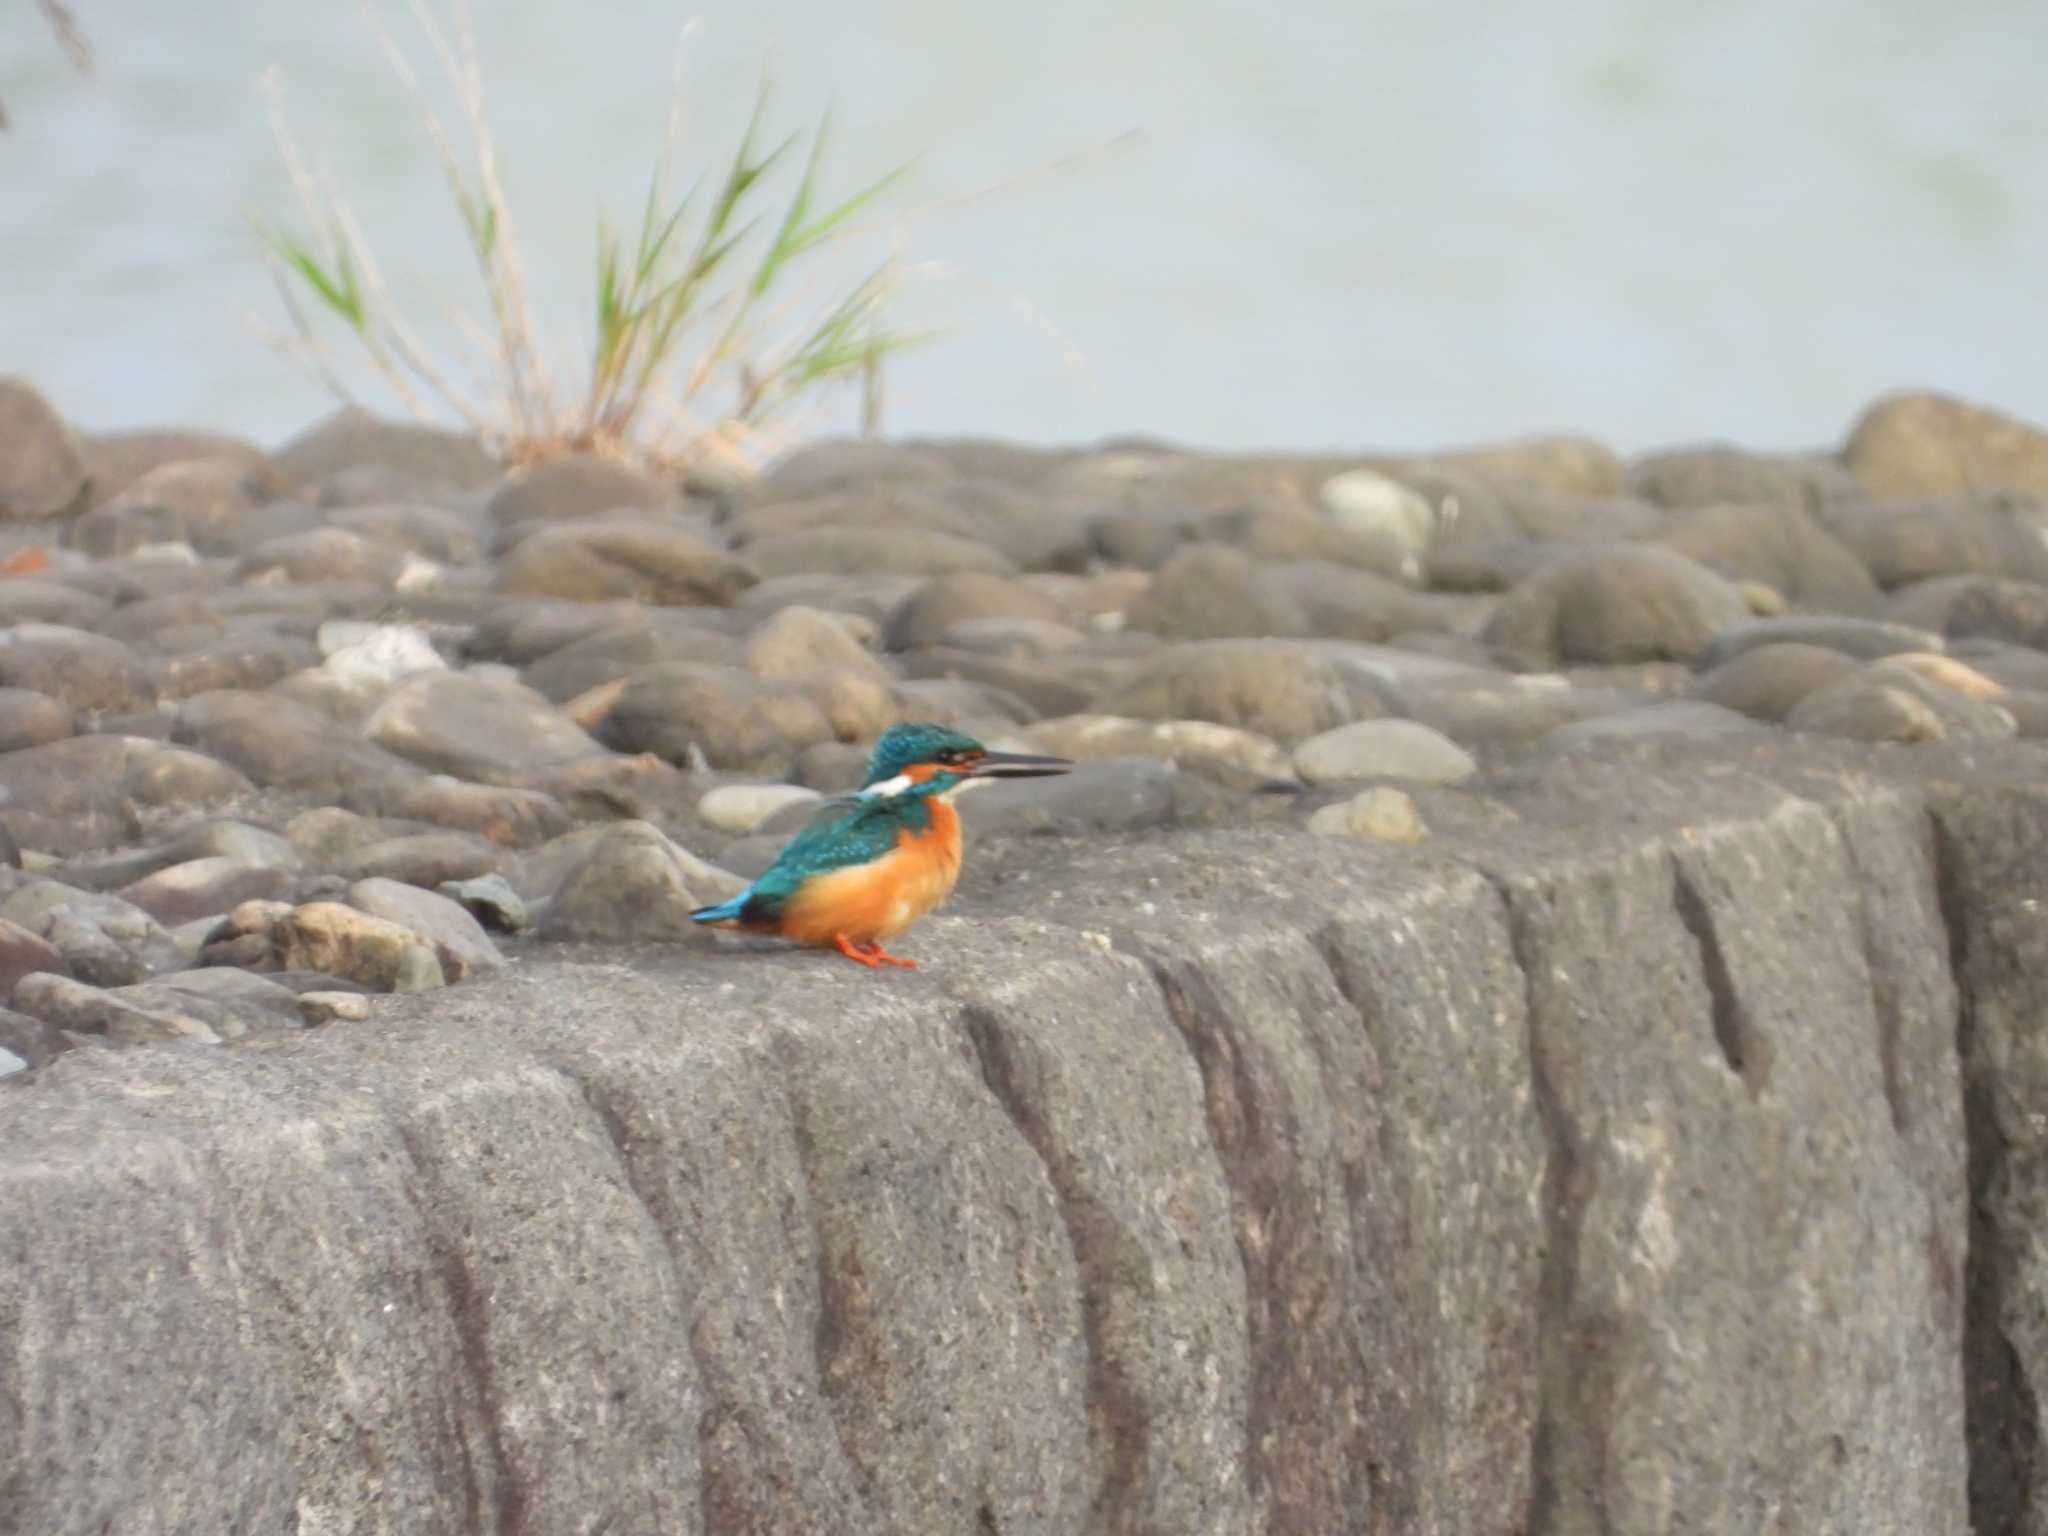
[[1346, 224]]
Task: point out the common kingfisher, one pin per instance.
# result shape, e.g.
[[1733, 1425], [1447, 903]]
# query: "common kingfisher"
[[870, 864]]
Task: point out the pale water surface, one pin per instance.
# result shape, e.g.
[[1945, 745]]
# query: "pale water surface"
[[1346, 224]]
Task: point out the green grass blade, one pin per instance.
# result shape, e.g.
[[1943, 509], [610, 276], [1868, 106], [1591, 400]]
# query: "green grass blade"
[[746, 169], [339, 288], [848, 337], [784, 245], [610, 301], [654, 247], [857, 352], [829, 221], [800, 233]]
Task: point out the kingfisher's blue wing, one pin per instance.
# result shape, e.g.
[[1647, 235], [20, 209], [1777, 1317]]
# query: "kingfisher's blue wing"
[[855, 829]]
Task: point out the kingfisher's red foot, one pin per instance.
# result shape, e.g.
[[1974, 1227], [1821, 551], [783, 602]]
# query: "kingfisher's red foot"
[[870, 955], [854, 951]]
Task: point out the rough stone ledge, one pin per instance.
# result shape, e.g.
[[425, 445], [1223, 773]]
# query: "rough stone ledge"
[[1600, 1165]]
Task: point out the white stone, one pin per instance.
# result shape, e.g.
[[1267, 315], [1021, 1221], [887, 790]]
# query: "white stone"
[[378, 653], [418, 574], [1390, 512], [171, 552], [743, 807]]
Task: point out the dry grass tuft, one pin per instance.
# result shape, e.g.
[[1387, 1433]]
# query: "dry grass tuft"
[[700, 350]]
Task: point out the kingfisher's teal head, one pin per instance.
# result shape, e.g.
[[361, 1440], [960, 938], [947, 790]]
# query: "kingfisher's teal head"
[[935, 759]]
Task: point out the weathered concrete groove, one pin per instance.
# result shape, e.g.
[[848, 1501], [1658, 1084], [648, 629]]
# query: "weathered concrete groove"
[[539, 1243], [1919, 1014], [1358, 1481], [1884, 1000], [368, 1442], [1903, 1086], [1745, 1051], [1451, 1164], [723, 1493], [1103, 1093], [1393, 1502], [1234, 1117], [2002, 1414], [660, 1102], [1566, 1185], [836, 1331], [457, 1387], [663, 1221], [511, 1496], [1926, 835], [1118, 1420], [1300, 1262]]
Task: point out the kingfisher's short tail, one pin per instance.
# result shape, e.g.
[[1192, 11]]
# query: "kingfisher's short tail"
[[724, 912]]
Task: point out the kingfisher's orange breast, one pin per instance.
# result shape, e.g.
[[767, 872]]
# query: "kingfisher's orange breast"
[[878, 900]]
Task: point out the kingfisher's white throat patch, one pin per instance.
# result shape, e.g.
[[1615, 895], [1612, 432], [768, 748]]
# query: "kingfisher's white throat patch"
[[888, 789]]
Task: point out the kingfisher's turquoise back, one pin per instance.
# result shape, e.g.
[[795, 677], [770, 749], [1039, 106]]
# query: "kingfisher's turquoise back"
[[856, 829]]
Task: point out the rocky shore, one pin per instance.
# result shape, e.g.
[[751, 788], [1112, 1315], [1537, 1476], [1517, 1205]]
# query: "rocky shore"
[[1520, 1021], [278, 729]]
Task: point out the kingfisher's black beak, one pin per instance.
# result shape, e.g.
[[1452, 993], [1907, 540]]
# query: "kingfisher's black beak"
[[1014, 765]]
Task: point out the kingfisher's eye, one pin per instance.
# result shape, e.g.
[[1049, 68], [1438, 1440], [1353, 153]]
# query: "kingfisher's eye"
[[952, 757]]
